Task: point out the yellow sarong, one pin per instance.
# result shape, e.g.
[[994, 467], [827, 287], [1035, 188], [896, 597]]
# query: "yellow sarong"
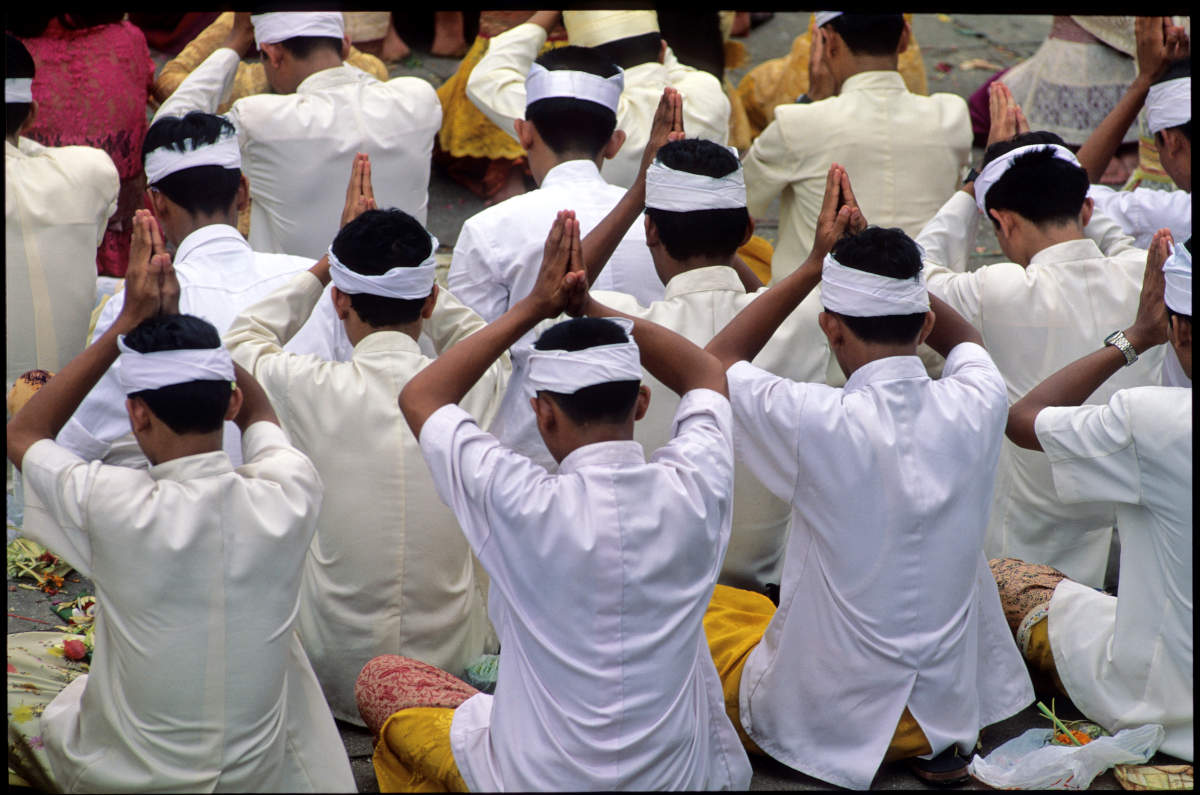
[[414, 755]]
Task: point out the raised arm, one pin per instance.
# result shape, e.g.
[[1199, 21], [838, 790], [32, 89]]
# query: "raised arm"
[[497, 83], [949, 328], [1072, 385], [210, 83]]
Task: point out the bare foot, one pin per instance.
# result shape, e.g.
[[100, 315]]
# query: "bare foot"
[[741, 24], [393, 49], [448, 37]]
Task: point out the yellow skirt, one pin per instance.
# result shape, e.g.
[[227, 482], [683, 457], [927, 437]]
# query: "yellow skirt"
[[414, 755]]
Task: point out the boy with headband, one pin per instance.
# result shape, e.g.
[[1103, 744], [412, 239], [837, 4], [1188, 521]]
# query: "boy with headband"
[[599, 573], [197, 681], [889, 642], [389, 571]]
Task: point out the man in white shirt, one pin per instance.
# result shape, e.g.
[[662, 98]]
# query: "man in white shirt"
[[198, 681], [389, 571], [1124, 660], [57, 202], [599, 574], [629, 39], [889, 642], [299, 140], [1074, 278], [906, 152]]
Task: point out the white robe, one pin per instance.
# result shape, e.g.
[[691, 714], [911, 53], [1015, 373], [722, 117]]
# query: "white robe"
[[1143, 211]]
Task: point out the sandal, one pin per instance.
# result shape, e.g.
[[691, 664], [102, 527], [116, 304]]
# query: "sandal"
[[944, 770]]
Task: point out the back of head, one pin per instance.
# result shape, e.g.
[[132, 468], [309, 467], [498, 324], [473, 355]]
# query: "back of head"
[[19, 66], [610, 402], [574, 127], [713, 233], [205, 189], [869, 34], [301, 33], [883, 252], [624, 37], [192, 407], [374, 243], [1039, 187]]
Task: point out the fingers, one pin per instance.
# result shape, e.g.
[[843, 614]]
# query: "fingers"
[[1160, 249], [848, 197], [575, 262], [1022, 122], [677, 107], [829, 203], [368, 190]]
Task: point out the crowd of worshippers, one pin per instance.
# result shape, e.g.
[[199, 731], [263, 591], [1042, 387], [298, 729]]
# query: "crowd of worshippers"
[[850, 517]]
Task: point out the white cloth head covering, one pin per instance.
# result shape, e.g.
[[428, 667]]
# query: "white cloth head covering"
[[996, 169], [824, 17], [682, 191], [157, 369], [593, 28], [1169, 104], [543, 83], [18, 90], [399, 282], [849, 291], [567, 372], [1177, 271], [282, 25], [164, 161]]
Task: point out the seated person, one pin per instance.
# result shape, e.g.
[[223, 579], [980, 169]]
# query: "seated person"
[[599, 573], [1124, 660], [321, 113], [888, 642], [389, 571], [1074, 278], [907, 152], [197, 681]]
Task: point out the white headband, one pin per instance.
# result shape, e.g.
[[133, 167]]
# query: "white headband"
[[399, 282], [996, 169], [163, 162], [826, 16], [683, 191], [1169, 104], [163, 368], [1177, 271], [543, 83], [849, 291], [567, 372], [283, 25], [18, 90]]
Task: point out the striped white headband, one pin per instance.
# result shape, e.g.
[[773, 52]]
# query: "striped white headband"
[[399, 282], [567, 372], [849, 291], [1177, 272], [826, 16], [157, 369], [543, 83], [18, 90], [163, 161], [1169, 104], [283, 25], [996, 169], [682, 191]]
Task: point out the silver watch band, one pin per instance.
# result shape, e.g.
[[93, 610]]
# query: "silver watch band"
[[1117, 340]]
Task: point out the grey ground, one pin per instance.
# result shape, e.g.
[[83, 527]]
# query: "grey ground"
[[1001, 39]]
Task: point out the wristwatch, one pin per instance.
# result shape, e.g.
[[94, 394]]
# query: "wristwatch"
[[972, 175], [1118, 341]]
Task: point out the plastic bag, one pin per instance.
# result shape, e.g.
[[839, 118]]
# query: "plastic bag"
[[1029, 762]]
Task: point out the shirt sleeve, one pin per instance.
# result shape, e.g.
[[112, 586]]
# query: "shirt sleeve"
[[63, 484], [1108, 233], [205, 88], [971, 364], [268, 455], [706, 107], [949, 236], [472, 276], [1091, 451], [702, 441], [497, 83], [769, 167], [766, 415], [451, 322]]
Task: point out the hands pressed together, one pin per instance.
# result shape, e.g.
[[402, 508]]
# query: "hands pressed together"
[[840, 214], [151, 286]]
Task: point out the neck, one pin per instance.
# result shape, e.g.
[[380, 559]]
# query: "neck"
[[857, 64], [1038, 239], [184, 224], [358, 330], [319, 61], [583, 435], [185, 444], [854, 355]]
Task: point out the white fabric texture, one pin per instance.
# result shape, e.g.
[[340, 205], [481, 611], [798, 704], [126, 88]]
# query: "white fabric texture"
[[853, 292], [333, 114], [904, 153], [18, 90], [825, 17], [196, 567], [1035, 321], [400, 282], [157, 369], [683, 191], [697, 304], [57, 201], [1127, 660], [1177, 272], [283, 25], [1143, 211], [1169, 104], [996, 169], [497, 87], [567, 372], [388, 571], [605, 672], [163, 161], [889, 480], [543, 83]]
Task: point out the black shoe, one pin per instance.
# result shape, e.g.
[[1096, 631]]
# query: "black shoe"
[[944, 770]]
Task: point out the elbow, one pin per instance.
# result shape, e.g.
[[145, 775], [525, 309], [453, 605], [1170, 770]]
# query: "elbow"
[[1020, 428]]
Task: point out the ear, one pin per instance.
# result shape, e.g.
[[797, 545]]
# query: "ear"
[[833, 42], [642, 403], [139, 414], [905, 38], [30, 118], [243, 193], [430, 303], [345, 47], [525, 133], [341, 303], [1179, 332], [652, 238], [1172, 141], [1006, 220], [161, 205], [927, 326], [615, 141], [543, 410], [1085, 212], [236, 398], [662, 50], [749, 232], [274, 53], [835, 332]]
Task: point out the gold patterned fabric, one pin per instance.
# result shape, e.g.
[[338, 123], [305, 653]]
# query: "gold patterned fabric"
[[414, 754]]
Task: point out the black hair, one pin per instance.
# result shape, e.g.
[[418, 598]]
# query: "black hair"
[[884, 252], [716, 233], [603, 403], [1038, 186], [1177, 70], [869, 34], [574, 126], [200, 189], [303, 46], [632, 50], [373, 244], [17, 63], [192, 407]]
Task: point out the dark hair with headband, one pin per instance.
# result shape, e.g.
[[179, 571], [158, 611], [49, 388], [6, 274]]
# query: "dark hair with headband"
[[201, 189], [869, 34], [374, 243], [883, 252], [18, 63], [192, 407], [602, 403], [716, 233], [632, 50], [574, 126], [1039, 187]]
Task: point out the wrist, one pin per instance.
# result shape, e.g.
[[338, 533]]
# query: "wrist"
[[1140, 339]]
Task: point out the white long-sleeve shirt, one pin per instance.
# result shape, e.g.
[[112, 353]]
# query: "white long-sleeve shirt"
[[1143, 211]]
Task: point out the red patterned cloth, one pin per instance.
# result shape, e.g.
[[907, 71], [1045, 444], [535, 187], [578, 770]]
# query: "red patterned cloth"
[[91, 86], [390, 683]]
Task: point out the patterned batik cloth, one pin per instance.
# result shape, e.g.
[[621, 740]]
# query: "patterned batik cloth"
[[1025, 593]]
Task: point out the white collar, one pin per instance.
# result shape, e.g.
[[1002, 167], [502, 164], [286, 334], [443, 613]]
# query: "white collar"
[[1068, 251], [625, 452], [889, 368], [572, 171], [702, 280], [189, 467], [208, 234], [333, 76]]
